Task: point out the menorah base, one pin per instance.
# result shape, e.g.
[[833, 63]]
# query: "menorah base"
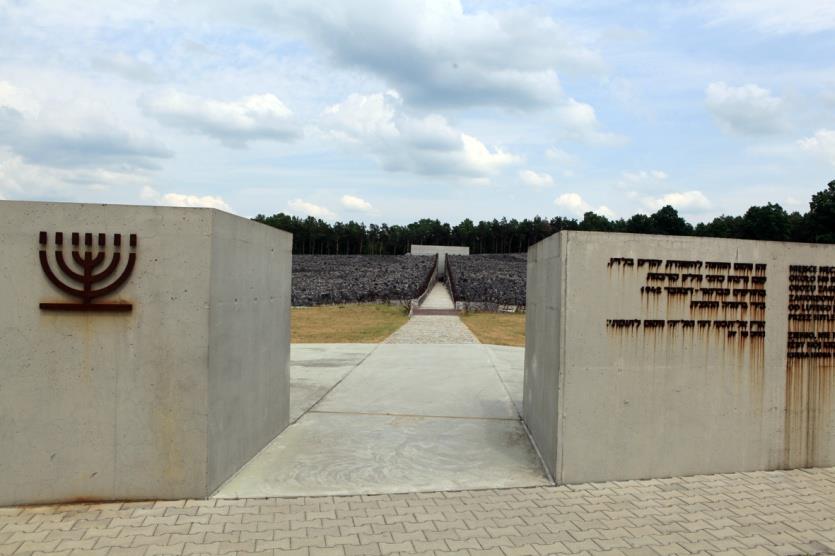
[[94, 307]]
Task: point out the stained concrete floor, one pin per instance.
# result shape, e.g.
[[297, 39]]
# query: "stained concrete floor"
[[374, 419]]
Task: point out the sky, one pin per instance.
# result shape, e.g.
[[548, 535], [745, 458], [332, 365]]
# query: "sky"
[[396, 110]]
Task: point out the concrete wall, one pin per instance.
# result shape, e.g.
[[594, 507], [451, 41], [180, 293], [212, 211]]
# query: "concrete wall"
[[147, 403], [544, 335], [249, 338], [624, 380], [441, 251]]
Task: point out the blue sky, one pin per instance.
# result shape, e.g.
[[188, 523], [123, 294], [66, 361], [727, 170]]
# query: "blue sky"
[[390, 111]]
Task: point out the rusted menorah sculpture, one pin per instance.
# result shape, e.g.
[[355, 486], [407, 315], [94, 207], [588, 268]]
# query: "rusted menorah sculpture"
[[88, 277]]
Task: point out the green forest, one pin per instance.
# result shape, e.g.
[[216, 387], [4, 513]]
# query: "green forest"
[[770, 222]]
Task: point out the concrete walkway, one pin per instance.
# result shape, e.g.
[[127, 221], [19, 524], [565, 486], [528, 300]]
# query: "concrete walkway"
[[757, 514], [438, 298], [433, 329], [396, 418]]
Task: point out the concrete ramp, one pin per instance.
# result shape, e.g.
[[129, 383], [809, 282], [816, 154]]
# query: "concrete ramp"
[[438, 303]]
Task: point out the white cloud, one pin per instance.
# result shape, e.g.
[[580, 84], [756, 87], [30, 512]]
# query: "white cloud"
[[425, 145], [688, 201], [434, 51], [65, 134], [19, 100], [309, 209], [575, 204], [480, 159], [603, 210], [776, 16], [183, 200], [536, 180], [748, 109], [233, 123], [22, 180], [580, 123], [361, 116], [208, 201], [822, 143], [355, 203], [437, 53], [18, 178]]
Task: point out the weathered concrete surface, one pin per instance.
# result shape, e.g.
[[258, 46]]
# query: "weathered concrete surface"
[[161, 402], [316, 368], [407, 418], [339, 454], [441, 251], [509, 362], [249, 342], [441, 381], [544, 340], [608, 400]]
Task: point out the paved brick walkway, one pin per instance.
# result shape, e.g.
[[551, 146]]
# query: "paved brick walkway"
[[428, 329], [770, 513]]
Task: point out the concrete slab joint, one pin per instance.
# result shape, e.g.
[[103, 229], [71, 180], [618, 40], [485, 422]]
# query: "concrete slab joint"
[[164, 401]]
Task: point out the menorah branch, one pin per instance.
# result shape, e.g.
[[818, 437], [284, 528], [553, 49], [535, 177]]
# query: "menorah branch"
[[87, 279]]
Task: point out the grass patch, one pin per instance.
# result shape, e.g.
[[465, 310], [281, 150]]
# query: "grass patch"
[[358, 324], [504, 329]]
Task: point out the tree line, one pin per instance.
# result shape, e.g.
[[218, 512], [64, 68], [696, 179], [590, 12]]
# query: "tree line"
[[769, 222]]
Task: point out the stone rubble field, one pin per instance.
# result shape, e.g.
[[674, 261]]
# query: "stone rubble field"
[[490, 278], [334, 279]]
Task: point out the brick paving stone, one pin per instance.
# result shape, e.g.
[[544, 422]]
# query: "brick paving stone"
[[426, 329], [757, 514]]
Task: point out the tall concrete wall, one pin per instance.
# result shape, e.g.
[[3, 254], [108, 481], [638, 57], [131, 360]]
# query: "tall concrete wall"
[[249, 339], [654, 356], [441, 251], [164, 401], [544, 336]]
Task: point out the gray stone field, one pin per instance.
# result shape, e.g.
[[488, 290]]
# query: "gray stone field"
[[332, 279], [498, 279]]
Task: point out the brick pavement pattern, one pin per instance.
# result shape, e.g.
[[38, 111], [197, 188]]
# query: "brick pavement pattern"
[[432, 329], [763, 513]]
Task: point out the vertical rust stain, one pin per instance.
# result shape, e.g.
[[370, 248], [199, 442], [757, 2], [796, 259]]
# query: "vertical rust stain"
[[810, 363]]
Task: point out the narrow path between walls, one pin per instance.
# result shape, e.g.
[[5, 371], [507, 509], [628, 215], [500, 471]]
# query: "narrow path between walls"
[[398, 417]]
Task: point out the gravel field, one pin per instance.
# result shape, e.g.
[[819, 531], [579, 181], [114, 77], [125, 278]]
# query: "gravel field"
[[333, 279], [490, 278]]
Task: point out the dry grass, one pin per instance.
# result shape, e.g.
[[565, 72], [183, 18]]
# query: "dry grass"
[[364, 323], [504, 329]]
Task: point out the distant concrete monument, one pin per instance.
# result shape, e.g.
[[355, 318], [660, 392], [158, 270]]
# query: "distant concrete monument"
[[143, 350], [656, 356], [441, 251]]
